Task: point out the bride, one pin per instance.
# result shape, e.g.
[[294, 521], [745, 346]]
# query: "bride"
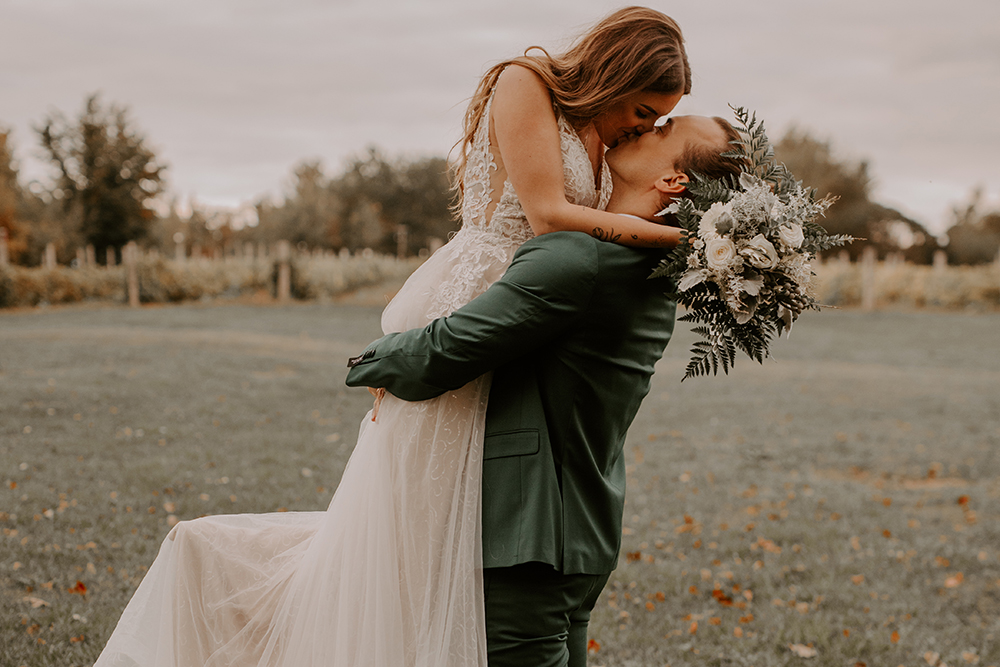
[[391, 573]]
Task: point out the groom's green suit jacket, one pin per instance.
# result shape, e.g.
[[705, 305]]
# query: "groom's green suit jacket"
[[571, 332]]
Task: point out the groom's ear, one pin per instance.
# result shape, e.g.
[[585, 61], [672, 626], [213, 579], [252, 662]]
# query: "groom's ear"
[[673, 183]]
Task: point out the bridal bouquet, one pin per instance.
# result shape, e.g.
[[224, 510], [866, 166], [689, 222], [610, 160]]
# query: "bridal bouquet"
[[742, 269]]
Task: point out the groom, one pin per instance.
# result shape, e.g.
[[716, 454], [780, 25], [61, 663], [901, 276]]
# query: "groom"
[[571, 332]]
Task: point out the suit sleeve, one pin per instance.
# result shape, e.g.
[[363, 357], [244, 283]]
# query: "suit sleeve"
[[547, 286]]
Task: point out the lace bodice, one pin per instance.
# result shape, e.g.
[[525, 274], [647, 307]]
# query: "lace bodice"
[[508, 219], [483, 248]]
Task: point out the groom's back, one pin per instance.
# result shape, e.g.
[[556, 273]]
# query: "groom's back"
[[554, 475]]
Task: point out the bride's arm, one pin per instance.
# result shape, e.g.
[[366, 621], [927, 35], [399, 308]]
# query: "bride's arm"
[[527, 137]]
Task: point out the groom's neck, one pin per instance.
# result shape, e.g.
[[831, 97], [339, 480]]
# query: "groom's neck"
[[629, 202]]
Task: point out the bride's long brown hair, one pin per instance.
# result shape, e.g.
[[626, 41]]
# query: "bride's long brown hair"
[[633, 50]]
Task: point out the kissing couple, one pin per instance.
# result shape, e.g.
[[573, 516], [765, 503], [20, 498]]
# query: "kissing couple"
[[479, 516]]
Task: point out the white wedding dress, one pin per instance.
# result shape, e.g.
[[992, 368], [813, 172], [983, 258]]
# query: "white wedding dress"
[[390, 575]]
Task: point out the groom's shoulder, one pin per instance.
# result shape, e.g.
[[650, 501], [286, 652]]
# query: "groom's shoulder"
[[561, 251], [582, 254]]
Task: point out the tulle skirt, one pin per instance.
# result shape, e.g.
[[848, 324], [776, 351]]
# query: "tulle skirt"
[[389, 575]]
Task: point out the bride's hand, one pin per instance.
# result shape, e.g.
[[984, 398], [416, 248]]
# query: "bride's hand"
[[379, 394]]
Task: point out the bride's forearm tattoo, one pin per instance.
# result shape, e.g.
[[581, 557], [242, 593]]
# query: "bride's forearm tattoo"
[[602, 235]]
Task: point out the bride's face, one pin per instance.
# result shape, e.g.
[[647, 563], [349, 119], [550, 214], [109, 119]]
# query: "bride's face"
[[634, 115], [644, 161]]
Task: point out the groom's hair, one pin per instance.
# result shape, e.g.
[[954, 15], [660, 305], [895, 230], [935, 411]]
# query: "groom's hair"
[[707, 160]]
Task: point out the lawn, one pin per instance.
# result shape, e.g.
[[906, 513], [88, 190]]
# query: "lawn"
[[835, 506]]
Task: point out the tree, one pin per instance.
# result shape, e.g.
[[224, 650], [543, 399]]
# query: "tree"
[[974, 236], [106, 176], [11, 200], [812, 161], [310, 213], [378, 194]]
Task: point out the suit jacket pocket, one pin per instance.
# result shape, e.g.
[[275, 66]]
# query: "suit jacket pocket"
[[511, 443]]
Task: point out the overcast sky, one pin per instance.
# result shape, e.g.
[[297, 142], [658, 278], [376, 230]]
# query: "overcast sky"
[[232, 93]]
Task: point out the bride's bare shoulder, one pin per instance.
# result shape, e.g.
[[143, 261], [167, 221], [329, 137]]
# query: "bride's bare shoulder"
[[519, 90], [518, 81]]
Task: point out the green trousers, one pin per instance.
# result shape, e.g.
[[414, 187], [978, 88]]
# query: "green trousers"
[[537, 616]]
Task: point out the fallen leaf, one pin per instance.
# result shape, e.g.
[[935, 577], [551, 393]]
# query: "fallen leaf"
[[954, 581], [593, 646], [35, 602], [802, 650]]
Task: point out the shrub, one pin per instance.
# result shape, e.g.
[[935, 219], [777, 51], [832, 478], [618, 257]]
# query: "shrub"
[[162, 281], [909, 285]]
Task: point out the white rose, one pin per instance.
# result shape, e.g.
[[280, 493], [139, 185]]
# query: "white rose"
[[760, 253], [791, 235], [719, 253]]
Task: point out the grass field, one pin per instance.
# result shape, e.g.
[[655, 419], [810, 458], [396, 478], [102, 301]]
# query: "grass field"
[[839, 502]]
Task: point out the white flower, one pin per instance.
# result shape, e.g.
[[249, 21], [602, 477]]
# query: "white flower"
[[719, 253], [791, 235], [760, 253], [691, 278], [718, 213]]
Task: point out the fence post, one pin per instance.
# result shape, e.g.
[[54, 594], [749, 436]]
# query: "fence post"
[[248, 250], [4, 253], [81, 258], [50, 255], [284, 272], [130, 258], [180, 251], [91, 255], [940, 260], [868, 278], [111, 256], [402, 241]]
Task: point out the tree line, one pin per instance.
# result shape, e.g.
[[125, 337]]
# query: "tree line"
[[106, 183]]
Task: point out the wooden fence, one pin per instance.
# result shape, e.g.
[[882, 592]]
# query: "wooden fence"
[[868, 283]]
